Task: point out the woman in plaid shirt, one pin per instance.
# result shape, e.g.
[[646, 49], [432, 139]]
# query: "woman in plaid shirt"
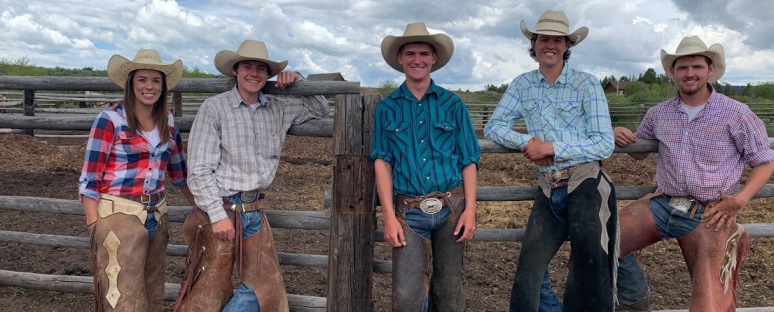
[[130, 146]]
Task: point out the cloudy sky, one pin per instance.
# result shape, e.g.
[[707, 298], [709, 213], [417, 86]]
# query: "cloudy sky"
[[318, 36]]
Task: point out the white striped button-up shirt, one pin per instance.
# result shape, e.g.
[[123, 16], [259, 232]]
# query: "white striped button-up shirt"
[[233, 147]]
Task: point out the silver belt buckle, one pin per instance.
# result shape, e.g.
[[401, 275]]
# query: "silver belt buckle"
[[249, 196], [553, 176], [431, 205], [681, 203]]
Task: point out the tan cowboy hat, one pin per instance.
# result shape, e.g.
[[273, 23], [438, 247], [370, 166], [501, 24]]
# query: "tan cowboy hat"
[[554, 23], [417, 32], [694, 46], [119, 67], [253, 50]]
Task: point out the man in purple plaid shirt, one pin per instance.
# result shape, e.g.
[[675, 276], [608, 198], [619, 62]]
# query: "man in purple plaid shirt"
[[704, 141]]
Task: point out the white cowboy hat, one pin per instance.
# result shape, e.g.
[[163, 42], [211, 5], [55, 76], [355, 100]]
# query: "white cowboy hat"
[[555, 23], [694, 46], [417, 32], [253, 50], [119, 67]]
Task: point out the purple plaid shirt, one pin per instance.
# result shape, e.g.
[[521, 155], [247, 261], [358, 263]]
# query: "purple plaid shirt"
[[704, 158]]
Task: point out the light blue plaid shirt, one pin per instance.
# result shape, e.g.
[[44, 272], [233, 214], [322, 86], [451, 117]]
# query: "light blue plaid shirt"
[[572, 114]]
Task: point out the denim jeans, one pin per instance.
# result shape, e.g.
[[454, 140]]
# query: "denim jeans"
[[427, 271], [150, 223], [671, 223], [423, 225], [549, 302], [632, 286], [244, 298], [575, 216]]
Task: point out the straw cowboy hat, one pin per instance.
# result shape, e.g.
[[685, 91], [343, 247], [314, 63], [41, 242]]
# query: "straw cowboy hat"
[[694, 46], [554, 23], [417, 32], [119, 67], [249, 50]]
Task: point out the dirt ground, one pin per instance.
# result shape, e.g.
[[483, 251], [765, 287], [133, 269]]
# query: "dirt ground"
[[50, 168]]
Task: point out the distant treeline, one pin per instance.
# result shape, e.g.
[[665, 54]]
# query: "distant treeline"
[[22, 67], [650, 87]]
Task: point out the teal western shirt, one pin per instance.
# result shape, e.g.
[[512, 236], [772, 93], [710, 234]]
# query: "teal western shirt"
[[427, 142]]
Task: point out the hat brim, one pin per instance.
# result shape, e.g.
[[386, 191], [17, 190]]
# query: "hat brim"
[[225, 60], [443, 45], [119, 67], [575, 37], [714, 53]]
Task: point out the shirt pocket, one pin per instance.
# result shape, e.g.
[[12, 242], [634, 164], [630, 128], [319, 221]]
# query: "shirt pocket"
[[443, 135], [530, 110], [567, 113], [397, 134], [129, 145]]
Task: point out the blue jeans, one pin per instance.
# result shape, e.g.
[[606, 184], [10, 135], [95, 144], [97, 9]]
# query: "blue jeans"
[[549, 302], [244, 298], [671, 223], [632, 286], [427, 271], [150, 223], [423, 225], [574, 216]]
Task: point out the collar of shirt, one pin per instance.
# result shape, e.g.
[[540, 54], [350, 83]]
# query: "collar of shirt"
[[562, 79], [404, 92], [239, 100], [120, 109], [712, 101]]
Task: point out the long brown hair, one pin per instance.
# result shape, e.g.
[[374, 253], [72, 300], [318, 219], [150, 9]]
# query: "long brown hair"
[[160, 110]]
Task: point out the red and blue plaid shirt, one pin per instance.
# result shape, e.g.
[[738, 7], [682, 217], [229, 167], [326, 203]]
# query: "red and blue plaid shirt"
[[122, 162], [704, 157]]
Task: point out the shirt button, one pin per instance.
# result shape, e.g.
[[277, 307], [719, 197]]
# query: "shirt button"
[[422, 141], [421, 122], [427, 178], [396, 129]]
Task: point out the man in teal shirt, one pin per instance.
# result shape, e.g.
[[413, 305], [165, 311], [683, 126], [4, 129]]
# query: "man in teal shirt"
[[569, 132], [426, 155]]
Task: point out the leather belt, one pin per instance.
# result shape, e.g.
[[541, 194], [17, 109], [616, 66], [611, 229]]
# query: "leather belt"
[[696, 205], [559, 177], [251, 201], [144, 198], [429, 203], [556, 175], [250, 196]]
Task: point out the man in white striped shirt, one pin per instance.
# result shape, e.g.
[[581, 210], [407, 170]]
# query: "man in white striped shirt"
[[233, 151]]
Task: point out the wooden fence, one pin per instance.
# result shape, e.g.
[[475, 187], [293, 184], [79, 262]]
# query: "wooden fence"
[[87, 102], [351, 218]]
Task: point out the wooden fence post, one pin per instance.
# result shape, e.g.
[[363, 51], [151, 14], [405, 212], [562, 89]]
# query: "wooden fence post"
[[29, 108], [351, 252], [177, 103]]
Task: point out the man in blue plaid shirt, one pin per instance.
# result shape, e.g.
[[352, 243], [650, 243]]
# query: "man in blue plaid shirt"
[[569, 133]]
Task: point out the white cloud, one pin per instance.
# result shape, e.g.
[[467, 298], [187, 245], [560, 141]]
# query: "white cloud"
[[345, 35]]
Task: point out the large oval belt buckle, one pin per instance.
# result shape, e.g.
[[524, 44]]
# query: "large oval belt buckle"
[[431, 205], [249, 196]]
